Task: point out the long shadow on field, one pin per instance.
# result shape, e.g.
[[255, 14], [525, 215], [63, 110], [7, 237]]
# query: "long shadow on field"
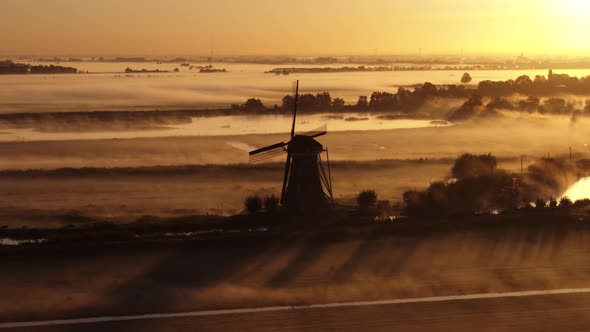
[[395, 262], [308, 255], [367, 250], [160, 290]]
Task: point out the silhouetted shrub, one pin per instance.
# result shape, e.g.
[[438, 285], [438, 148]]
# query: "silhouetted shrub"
[[582, 203], [565, 202], [362, 102], [470, 165], [383, 205], [253, 204], [466, 196], [366, 199], [552, 203], [466, 78], [468, 110], [271, 203], [540, 204], [253, 104], [338, 103]]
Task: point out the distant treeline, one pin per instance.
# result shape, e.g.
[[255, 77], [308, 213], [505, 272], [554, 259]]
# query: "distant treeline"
[[9, 67], [205, 69], [134, 71], [525, 95], [502, 97], [212, 70], [287, 71], [346, 69], [477, 63]]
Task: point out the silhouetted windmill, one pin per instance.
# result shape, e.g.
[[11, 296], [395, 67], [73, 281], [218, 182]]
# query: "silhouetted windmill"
[[306, 187]]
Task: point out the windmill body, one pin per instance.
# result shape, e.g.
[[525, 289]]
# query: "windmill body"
[[307, 188], [307, 184]]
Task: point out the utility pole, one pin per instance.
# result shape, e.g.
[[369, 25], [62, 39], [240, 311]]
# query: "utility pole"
[[521, 165], [570, 153]]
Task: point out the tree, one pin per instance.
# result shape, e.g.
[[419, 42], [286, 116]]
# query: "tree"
[[288, 102], [530, 104], [540, 204], [468, 110], [466, 78], [565, 202], [253, 104], [253, 204], [308, 101], [366, 199], [470, 165], [323, 100], [383, 100], [271, 203], [362, 103], [337, 103]]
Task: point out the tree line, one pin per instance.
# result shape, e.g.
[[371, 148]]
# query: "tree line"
[[408, 101]]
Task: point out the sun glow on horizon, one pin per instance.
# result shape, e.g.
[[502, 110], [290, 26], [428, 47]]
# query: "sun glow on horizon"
[[272, 27], [579, 190]]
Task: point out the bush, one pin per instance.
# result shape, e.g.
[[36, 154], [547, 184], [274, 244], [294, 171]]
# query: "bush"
[[366, 199], [582, 203], [253, 204], [470, 165], [271, 203], [565, 202], [253, 104], [540, 204], [466, 78], [384, 206]]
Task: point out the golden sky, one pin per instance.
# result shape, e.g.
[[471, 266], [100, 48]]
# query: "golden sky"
[[303, 27]]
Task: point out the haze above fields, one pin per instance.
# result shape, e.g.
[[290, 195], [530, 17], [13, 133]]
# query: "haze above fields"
[[282, 27]]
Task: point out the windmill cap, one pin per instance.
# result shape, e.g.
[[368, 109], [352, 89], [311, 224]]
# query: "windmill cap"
[[304, 144]]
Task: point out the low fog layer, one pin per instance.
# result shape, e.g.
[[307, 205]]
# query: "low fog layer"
[[185, 89], [533, 136], [47, 198]]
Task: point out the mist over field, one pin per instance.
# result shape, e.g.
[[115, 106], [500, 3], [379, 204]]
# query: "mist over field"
[[187, 89], [124, 179]]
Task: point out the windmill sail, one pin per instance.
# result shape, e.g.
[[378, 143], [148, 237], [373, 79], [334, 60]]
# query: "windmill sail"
[[267, 152], [320, 131], [264, 156], [288, 161]]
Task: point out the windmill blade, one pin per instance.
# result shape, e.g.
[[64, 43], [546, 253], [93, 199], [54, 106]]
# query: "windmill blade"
[[266, 155], [296, 87], [267, 152], [266, 148], [320, 131]]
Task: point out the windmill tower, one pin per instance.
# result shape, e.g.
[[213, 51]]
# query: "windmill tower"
[[306, 186]]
